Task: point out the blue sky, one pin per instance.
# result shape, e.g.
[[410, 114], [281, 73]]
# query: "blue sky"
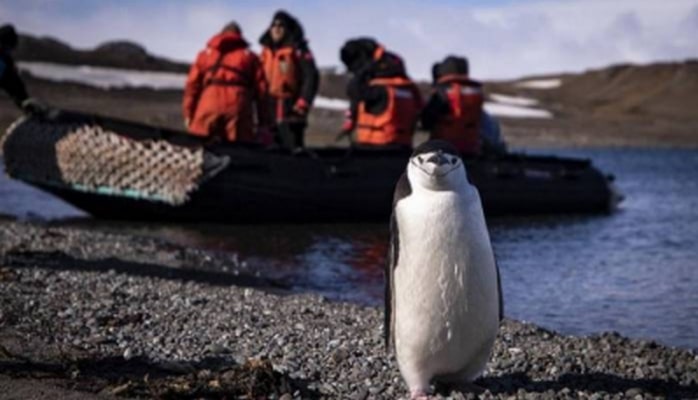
[[502, 38]]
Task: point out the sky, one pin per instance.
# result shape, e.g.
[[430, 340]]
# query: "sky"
[[503, 39]]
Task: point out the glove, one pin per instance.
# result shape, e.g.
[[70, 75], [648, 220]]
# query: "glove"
[[347, 125], [33, 106], [301, 107], [264, 136]]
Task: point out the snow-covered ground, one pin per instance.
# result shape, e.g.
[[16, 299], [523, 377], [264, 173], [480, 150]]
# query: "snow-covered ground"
[[105, 78], [512, 111], [113, 78], [515, 107], [513, 100], [331, 104], [540, 84]]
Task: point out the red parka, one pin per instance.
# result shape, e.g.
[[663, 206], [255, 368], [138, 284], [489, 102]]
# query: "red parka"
[[225, 86]]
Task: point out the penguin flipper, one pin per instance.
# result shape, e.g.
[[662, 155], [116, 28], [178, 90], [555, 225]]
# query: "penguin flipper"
[[499, 292], [402, 190], [389, 315]]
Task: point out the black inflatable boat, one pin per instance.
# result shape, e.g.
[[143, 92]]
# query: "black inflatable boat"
[[76, 157]]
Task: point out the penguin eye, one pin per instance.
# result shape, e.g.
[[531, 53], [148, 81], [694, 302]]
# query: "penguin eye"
[[454, 160], [420, 159]]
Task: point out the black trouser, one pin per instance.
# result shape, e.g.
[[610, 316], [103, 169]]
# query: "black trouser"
[[290, 135]]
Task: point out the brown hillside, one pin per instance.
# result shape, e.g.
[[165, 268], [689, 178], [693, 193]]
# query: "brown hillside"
[[668, 90], [661, 90], [115, 54], [622, 105], [333, 84]]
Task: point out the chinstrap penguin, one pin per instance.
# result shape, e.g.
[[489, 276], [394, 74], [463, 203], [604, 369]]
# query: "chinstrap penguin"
[[443, 301]]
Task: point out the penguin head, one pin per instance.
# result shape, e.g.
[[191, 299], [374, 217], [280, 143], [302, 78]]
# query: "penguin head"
[[436, 165]]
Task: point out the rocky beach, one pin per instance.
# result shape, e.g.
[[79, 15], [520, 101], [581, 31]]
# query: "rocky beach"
[[87, 314]]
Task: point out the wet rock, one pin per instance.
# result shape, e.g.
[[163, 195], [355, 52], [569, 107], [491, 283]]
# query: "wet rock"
[[128, 353]]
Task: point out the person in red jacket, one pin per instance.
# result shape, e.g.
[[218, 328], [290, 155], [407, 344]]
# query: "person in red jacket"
[[384, 102], [454, 110], [225, 86], [292, 75]]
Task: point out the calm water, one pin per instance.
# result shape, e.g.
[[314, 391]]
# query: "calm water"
[[635, 271]]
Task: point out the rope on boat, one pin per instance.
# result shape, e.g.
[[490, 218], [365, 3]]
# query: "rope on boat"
[[89, 158]]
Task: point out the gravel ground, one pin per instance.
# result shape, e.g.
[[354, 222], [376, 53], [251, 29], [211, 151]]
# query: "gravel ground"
[[86, 315]]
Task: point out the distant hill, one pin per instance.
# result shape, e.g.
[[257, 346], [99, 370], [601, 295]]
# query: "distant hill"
[[333, 84], [659, 90], [115, 54], [665, 90]]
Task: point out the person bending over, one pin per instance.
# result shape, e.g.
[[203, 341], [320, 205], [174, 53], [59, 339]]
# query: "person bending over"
[[384, 102]]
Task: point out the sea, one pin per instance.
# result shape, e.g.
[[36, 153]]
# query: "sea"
[[633, 271]]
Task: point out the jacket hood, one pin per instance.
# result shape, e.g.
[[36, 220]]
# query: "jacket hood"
[[294, 32], [361, 57], [451, 65], [356, 54], [8, 37], [227, 41]]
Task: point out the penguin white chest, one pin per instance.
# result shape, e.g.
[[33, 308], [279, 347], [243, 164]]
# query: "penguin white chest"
[[446, 305]]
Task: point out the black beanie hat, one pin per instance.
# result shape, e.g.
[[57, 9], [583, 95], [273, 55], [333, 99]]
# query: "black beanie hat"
[[449, 66], [356, 53]]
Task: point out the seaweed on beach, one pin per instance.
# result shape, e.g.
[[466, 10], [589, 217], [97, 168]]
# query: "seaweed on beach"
[[139, 378]]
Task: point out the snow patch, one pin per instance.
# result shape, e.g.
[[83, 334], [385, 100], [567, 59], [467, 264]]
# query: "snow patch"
[[115, 78], [513, 100], [515, 106], [103, 77], [513, 111], [540, 84], [331, 104]]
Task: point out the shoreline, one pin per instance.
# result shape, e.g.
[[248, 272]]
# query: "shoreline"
[[90, 315], [573, 128]]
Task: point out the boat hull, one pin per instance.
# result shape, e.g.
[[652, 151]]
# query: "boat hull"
[[337, 185]]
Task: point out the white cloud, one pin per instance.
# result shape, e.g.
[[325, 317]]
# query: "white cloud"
[[506, 41]]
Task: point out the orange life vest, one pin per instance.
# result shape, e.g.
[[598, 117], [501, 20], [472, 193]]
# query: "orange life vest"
[[396, 124], [281, 70], [461, 126]]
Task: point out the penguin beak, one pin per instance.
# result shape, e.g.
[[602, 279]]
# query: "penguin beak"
[[439, 158], [436, 164]]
